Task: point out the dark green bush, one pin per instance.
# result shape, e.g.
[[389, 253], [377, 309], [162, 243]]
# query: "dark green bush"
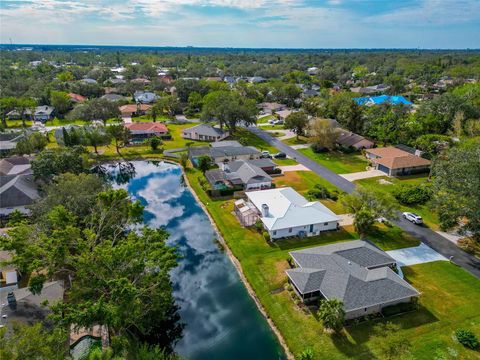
[[321, 192], [408, 194], [467, 338]]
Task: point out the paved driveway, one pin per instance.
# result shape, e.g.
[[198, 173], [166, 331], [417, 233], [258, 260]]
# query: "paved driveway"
[[426, 235], [415, 255], [298, 167], [362, 175]]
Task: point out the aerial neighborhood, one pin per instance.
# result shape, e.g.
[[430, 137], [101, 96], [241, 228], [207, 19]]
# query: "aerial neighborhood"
[[277, 204]]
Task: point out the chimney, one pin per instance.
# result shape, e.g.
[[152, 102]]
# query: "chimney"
[[265, 210]]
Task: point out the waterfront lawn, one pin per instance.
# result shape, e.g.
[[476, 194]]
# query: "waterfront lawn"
[[337, 161], [448, 301], [430, 218]]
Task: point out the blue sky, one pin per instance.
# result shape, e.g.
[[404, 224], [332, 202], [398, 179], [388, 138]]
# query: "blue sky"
[[244, 23]]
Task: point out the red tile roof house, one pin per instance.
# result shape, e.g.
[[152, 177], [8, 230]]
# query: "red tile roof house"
[[130, 110], [145, 130], [396, 162], [76, 98]]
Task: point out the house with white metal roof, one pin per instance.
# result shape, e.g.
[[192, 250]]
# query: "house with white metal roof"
[[285, 213]]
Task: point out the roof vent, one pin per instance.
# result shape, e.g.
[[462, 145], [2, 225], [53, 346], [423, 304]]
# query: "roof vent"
[[349, 263]]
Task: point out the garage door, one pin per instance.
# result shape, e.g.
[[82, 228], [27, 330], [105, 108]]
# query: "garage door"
[[383, 168]]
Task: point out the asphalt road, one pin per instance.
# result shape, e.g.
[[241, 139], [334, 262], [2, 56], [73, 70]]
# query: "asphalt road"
[[426, 235]]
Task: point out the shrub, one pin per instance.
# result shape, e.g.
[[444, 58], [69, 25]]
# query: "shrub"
[[408, 194], [467, 338], [316, 148], [243, 141], [258, 226], [469, 245], [266, 236], [321, 192], [155, 142], [306, 354]]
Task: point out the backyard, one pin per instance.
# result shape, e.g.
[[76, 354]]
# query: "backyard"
[[264, 263], [337, 161]]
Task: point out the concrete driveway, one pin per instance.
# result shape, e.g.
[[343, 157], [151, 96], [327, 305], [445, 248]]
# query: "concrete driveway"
[[363, 175], [298, 167], [415, 255]]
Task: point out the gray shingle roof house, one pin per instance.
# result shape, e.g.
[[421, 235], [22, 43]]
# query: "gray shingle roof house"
[[348, 139], [42, 113], [145, 97], [239, 173], [8, 141], [15, 165], [220, 154], [16, 192], [204, 132], [355, 272]]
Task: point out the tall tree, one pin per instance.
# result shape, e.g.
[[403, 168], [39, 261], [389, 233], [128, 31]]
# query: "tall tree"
[[32, 342], [7, 104], [96, 136], [297, 122], [120, 134], [52, 162], [32, 143], [229, 109], [60, 101], [367, 206], [24, 104], [456, 187], [324, 134]]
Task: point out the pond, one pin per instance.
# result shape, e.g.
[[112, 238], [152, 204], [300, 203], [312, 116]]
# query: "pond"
[[221, 320]]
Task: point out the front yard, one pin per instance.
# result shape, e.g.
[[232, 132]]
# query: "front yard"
[[449, 294], [430, 218], [337, 161]]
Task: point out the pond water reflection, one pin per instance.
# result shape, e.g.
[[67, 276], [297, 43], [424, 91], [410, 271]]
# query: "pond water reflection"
[[221, 320]]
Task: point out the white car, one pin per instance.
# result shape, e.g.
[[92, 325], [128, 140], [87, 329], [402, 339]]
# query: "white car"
[[414, 218]]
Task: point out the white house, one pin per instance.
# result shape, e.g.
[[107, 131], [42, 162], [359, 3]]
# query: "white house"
[[284, 212]]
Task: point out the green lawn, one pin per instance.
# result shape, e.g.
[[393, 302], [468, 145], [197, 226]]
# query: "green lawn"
[[449, 295], [338, 162], [284, 162], [294, 141], [272, 127], [18, 123], [264, 119], [253, 140], [429, 217]]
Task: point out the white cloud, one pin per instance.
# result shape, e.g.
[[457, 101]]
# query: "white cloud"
[[437, 12]]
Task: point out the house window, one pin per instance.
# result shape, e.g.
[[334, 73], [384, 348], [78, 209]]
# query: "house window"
[[325, 224], [289, 230], [274, 232]]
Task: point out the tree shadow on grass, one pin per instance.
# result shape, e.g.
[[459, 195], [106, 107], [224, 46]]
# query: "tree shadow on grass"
[[361, 333], [324, 239], [351, 349]]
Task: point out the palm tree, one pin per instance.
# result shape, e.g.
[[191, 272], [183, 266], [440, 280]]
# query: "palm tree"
[[332, 314]]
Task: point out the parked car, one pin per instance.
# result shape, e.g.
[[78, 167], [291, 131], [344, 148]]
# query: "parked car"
[[266, 154], [272, 121], [280, 155], [414, 218]]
